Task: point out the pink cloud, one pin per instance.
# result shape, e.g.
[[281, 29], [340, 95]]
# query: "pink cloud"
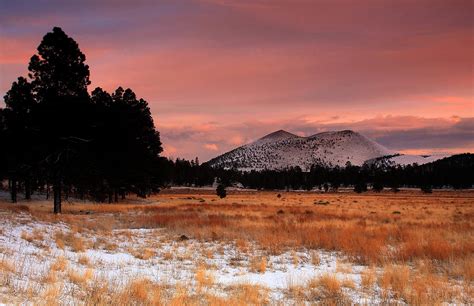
[[211, 147], [220, 73]]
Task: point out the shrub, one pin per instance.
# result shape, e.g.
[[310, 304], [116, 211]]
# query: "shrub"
[[377, 187], [220, 191], [360, 187], [426, 189]]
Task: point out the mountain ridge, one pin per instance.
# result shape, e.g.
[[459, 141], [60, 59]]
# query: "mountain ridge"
[[282, 149]]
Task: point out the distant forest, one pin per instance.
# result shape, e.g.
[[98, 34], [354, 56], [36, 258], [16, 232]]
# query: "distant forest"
[[57, 136], [455, 172]]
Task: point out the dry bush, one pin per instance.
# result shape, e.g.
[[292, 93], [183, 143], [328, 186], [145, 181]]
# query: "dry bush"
[[330, 285], [83, 260], [247, 294], [294, 258], [463, 269], [26, 236], [208, 253], [295, 291], [258, 264], [60, 264], [79, 278], [141, 291], [14, 208], [105, 244], [168, 255], [77, 243], [395, 279], [137, 291], [50, 278], [348, 283], [59, 240], [242, 245], [343, 267], [327, 289], [368, 278], [51, 295], [71, 239], [98, 293], [203, 277], [315, 258], [431, 289], [143, 254], [6, 266]]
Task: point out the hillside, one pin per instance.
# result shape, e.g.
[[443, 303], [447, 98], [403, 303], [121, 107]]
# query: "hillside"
[[282, 149]]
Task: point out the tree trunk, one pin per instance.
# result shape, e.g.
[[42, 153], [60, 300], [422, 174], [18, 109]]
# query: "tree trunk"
[[27, 189], [123, 195], [13, 190], [57, 196], [47, 191], [110, 197], [116, 195]]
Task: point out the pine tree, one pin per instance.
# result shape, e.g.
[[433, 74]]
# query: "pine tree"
[[60, 78], [19, 135]]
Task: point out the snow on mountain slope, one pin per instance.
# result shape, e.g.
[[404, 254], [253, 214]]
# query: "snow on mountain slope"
[[282, 149], [406, 159]]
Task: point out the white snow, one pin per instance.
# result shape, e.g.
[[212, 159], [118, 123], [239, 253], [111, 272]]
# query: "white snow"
[[33, 260], [415, 159]]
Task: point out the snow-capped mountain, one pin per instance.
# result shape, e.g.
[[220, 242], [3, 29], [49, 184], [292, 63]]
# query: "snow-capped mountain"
[[282, 149]]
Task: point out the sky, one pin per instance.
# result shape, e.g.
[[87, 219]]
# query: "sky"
[[220, 73]]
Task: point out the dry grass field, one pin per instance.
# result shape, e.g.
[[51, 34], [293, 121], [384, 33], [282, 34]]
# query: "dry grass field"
[[191, 247]]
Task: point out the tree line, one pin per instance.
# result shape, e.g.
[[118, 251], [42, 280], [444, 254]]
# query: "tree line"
[[455, 172], [55, 134]]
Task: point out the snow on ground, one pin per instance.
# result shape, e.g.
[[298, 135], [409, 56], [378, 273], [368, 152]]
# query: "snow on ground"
[[172, 261]]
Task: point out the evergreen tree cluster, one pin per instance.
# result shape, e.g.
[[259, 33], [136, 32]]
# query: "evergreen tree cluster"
[[455, 172], [54, 133]]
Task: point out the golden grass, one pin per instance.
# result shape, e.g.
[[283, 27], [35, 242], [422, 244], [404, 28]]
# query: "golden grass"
[[144, 254], [50, 278], [368, 278], [366, 230], [328, 289], [6, 266], [421, 250], [51, 295], [79, 278], [83, 260], [258, 264], [70, 239], [204, 278], [315, 258], [60, 264]]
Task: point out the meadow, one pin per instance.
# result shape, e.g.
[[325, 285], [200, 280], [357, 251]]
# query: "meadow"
[[187, 246]]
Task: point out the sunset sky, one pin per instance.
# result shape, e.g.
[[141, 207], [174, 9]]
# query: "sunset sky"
[[218, 74]]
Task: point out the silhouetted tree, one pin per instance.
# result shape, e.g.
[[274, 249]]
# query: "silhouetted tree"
[[360, 187], [377, 186], [19, 135], [60, 78], [221, 191]]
